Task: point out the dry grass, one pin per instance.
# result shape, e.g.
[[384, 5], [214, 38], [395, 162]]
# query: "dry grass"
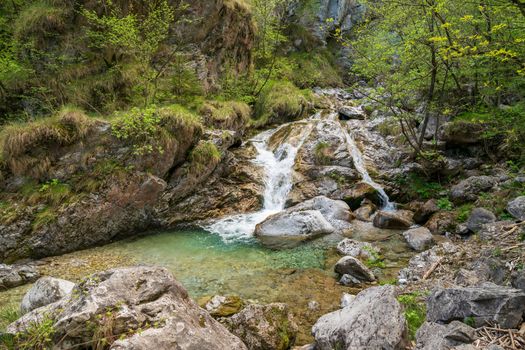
[[41, 17], [230, 115], [25, 148]]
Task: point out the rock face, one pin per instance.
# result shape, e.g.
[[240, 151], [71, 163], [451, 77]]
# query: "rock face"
[[125, 300], [478, 218], [516, 208], [373, 320], [45, 291], [264, 327], [349, 265], [418, 238], [357, 249], [469, 189], [435, 336], [361, 191], [287, 229], [400, 219], [488, 302], [16, 275]]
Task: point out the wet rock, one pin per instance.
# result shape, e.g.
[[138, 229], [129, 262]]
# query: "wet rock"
[[16, 275], [441, 223], [349, 265], [361, 191], [478, 217], [435, 336], [492, 230], [399, 219], [424, 212], [373, 320], [469, 189], [287, 229], [516, 208], [45, 291], [264, 327], [485, 303], [357, 249], [365, 211], [418, 238], [222, 306], [146, 298]]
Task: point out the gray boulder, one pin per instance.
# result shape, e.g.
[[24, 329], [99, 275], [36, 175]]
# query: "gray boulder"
[[336, 212], [16, 275], [264, 327], [485, 303], [346, 300], [45, 291], [357, 249], [399, 219], [373, 320], [478, 217], [435, 336], [146, 298], [469, 189], [516, 208], [288, 229], [485, 269], [349, 265], [351, 112], [419, 238]]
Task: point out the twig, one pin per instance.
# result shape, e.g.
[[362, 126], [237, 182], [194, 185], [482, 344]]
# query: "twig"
[[432, 268]]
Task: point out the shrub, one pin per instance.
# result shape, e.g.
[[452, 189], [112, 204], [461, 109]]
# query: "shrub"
[[40, 18], [463, 212], [445, 204], [38, 335], [415, 312]]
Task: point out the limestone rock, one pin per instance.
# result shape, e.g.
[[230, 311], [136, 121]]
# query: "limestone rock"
[[346, 300], [16, 275], [423, 262], [516, 208], [287, 229], [361, 191], [461, 133], [469, 189], [399, 219], [478, 217], [491, 230], [418, 238], [349, 265], [222, 306], [365, 211], [264, 327], [45, 291], [374, 320], [441, 223], [357, 249], [435, 336], [137, 297], [485, 303], [425, 211]]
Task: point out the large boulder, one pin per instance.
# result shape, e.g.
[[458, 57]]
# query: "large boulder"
[[336, 212], [461, 133], [45, 291], [143, 307], [469, 189], [484, 269], [357, 249], [418, 238], [435, 336], [365, 211], [516, 208], [478, 217], [16, 275], [349, 265], [264, 327], [485, 303], [361, 191], [399, 219], [287, 229], [373, 320], [425, 211]]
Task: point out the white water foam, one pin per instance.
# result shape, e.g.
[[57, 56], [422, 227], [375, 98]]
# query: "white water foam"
[[278, 170]]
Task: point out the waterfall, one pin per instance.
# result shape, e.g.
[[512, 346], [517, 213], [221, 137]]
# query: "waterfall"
[[359, 164], [278, 167]]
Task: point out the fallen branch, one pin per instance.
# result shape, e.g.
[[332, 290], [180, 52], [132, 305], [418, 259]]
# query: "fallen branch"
[[432, 268]]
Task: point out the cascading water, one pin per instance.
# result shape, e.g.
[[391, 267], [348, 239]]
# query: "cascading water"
[[278, 169], [359, 164]]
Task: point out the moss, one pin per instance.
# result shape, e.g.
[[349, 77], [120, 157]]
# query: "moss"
[[204, 155], [25, 148], [311, 69], [322, 153], [229, 115], [44, 218], [281, 101], [40, 18]]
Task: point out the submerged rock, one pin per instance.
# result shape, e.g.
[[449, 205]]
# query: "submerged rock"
[[349, 265], [264, 327], [16, 275], [373, 320], [126, 300], [435, 336], [288, 229], [486, 303], [399, 219], [45, 291], [418, 238], [516, 208]]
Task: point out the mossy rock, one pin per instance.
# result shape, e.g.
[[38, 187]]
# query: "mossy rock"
[[221, 306]]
